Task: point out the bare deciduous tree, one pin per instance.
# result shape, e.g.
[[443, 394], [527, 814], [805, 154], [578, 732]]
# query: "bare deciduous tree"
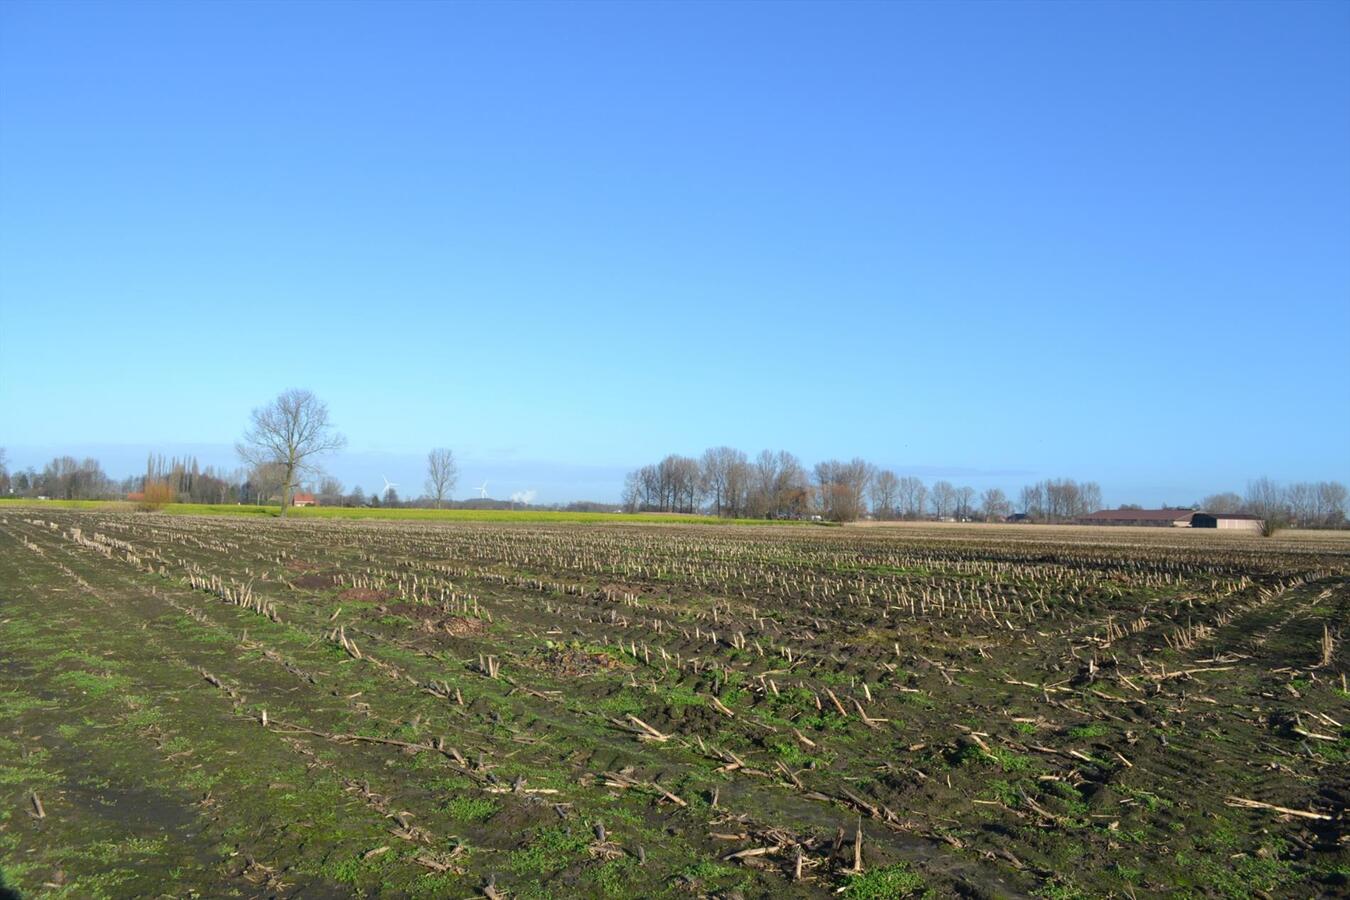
[[943, 499], [1300, 500], [66, 478], [776, 486], [442, 473], [330, 491], [913, 496], [1265, 499], [885, 493], [264, 482], [1090, 497], [1331, 497], [1032, 501], [675, 484], [738, 484], [994, 504], [290, 433], [1228, 502], [1059, 499], [965, 501], [724, 471], [842, 487]]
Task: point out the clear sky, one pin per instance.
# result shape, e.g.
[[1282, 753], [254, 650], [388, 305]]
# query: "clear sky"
[[989, 242]]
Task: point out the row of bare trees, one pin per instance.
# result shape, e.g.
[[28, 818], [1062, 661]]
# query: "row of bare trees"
[[287, 436], [64, 478], [726, 482], [1303, 504], [1060, 499], [184, 480]]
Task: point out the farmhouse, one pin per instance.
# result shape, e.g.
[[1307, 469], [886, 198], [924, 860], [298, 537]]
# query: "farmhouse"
[[1228, 521], [1158, 518], [304, 500]]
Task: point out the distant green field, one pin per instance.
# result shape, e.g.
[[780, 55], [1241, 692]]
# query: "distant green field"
[[430, 515]]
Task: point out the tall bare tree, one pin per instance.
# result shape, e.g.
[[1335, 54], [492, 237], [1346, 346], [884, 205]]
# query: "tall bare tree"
[[738, 484], [1265, 499], [994, 504], [66, 478], [913, 496], [724, 471], [842, 486], [1227, 502], [943, 499], [1300, 499], [1331, 503], [763, 485], [1090, 497], [965, 500], [290, 433], [1032, 500], [442, 473], [885, 491], [330, 491], [264, 482]]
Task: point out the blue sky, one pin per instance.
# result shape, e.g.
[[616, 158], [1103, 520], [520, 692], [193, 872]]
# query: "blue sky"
[[990, 242]]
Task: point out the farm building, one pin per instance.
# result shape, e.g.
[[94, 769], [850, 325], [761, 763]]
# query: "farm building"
[[1158, 518], [304, 500], [1228, 521]]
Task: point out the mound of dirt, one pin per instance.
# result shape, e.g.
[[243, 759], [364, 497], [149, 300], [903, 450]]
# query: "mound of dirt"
[[433, 621], [364, 595], [461, 625], [572, 662]]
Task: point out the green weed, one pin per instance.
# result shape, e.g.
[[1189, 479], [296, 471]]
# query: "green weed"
[[887, 883], [472, 809]]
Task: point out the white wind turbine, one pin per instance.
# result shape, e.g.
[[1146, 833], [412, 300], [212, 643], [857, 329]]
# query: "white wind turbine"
[[387, 485], [482, 491]]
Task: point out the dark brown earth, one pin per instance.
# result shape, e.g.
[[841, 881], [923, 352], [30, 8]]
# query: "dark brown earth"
[[225, 707]]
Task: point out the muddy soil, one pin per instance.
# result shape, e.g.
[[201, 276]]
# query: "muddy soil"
[[658, 711]]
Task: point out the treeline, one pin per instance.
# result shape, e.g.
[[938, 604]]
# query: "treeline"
[[64, 478], [1059, 500], [184, 481], [165, 480], [774, 485], [724, 481], [1303, 504]]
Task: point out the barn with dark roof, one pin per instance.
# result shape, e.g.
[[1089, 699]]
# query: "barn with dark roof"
[[1157, 518]]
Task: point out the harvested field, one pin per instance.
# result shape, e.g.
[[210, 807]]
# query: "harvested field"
[[247, 707]]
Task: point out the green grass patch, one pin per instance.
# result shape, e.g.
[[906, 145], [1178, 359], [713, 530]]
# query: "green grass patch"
[[472, 809], [549, 851], [1087, 732], [886, 883], [91, 684], [422, 515]]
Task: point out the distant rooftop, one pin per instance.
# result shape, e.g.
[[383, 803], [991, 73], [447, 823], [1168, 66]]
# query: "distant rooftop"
[[1140, 515]]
